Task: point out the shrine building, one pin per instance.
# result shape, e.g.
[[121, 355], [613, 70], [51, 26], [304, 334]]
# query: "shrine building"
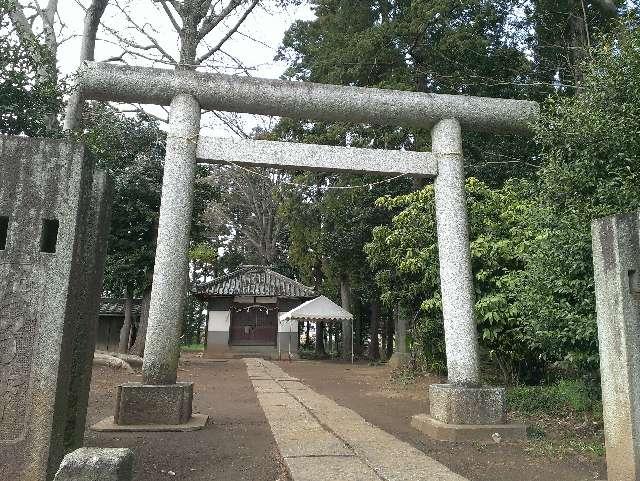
[[244, 311]]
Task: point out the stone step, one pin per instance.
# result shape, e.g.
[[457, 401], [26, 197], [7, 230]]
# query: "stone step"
[[251, 348], [242, 352]]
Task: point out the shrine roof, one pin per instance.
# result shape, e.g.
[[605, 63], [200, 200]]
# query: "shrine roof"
[[251, 280]]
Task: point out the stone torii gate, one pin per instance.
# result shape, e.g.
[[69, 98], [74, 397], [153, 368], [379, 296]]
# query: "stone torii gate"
[[463, 401]]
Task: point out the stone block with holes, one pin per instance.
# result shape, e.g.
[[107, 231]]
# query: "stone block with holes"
[[616, 258], [54, 213]]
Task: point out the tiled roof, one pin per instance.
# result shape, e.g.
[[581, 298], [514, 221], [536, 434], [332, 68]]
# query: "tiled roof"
[[115, 307], [255, 281]]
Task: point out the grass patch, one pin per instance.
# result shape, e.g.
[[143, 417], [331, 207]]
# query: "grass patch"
[[565, 447], [310, 355], [564, 418], [404, 375], [192, 348], [567, 395]]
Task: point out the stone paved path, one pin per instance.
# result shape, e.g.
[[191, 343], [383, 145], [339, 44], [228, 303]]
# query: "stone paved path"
[[323, 441]]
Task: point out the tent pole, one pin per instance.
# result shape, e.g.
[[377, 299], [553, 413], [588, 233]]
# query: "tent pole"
[[290, 340], [352, 338]]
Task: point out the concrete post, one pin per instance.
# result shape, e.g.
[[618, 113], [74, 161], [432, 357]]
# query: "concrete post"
[[400, 356], [166, 312], [401, 334], [616, 258], [456, 281]]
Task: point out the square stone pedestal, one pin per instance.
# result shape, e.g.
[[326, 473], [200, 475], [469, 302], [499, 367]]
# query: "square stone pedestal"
[[141, 407], [460, 413]]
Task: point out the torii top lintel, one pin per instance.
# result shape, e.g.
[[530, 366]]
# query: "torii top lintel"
[[304, 100]]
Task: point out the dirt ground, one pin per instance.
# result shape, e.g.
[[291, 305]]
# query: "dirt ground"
[[237, 444], [390, 405]]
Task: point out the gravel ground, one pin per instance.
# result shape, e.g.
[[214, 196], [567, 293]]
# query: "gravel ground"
[[236, 445]]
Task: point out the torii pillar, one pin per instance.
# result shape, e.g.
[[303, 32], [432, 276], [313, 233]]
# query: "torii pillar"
[[160, 402], [463, 409]]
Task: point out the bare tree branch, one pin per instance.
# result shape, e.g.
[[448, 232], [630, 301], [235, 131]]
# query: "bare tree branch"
[[172, 18], [48, 24], [142, 30], [233, 126], [239, 64], [22, 24], [92, 19], [233, 30], [137, 109], [213, 20]]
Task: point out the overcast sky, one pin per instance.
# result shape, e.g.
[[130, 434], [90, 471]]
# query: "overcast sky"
[[255, 44]]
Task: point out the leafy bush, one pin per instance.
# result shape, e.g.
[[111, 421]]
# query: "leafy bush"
[[501, 240]]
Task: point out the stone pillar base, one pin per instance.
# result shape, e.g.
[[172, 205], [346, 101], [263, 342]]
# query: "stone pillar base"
[[398, 359], [460, 413], [138, 403], [141, 407], [484, 433]]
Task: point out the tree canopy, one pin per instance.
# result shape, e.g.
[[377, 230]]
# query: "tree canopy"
[[531, 239]]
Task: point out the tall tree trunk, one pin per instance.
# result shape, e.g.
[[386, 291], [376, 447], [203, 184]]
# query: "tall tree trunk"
[[401, 330], [138, 346], [125, 331], [383, 335], [320, 340], [73, 114], [390, 332], [347, 326], [579, 38], [374, 344], [141, 336], [358, 347]]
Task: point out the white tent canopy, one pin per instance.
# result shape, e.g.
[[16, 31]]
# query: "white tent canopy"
[[320, 309]]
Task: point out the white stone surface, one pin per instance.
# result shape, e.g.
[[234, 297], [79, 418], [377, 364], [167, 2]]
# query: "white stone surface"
[[162, 348], [321, 440], [321, 158], [97, 464], [219, 321], [456, 278], [303, 100], [330, 469], [616, 257]]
